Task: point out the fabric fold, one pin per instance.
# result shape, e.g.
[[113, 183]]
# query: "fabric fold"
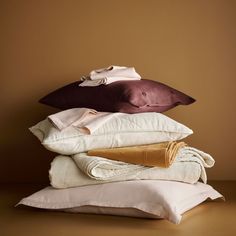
[[114, 71], [81, 170], [69, 117], [108, 80], [105, 169], [85, 119], [160, 154], [109, 75]]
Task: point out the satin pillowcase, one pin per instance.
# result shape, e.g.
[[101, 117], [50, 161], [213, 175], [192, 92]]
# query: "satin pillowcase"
[[121, 96]]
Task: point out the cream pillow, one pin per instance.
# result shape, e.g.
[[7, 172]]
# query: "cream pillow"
[[143, 198], [120, 131]]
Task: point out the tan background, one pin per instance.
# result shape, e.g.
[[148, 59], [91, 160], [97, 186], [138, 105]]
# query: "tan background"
[[45, 44]]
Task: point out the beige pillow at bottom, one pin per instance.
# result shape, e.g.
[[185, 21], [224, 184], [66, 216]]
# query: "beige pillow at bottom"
[[141, 198]]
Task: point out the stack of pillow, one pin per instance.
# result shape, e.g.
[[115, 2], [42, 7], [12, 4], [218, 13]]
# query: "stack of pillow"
[[117, 153]]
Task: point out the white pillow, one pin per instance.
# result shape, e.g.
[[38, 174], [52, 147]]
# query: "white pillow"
[[143, 198], [119, 131]]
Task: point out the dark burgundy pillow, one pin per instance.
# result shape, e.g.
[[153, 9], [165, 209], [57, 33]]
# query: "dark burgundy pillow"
[[121, 96]]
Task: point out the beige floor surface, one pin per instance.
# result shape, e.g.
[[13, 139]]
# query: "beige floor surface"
[[209, 218]]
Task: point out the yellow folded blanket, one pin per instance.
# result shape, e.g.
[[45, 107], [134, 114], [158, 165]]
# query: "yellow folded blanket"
[[160, 154]]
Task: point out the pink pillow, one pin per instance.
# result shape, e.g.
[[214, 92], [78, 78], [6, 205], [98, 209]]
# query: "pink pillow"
[[141, 198]]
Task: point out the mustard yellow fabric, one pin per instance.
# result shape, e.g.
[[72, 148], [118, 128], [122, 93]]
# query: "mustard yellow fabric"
[[160, 154]]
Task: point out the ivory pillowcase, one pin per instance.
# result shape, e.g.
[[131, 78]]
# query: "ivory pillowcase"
[[122, 130], [142, 198]]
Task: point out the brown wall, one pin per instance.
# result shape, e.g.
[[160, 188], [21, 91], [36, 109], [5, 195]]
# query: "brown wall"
[[190, 45]]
